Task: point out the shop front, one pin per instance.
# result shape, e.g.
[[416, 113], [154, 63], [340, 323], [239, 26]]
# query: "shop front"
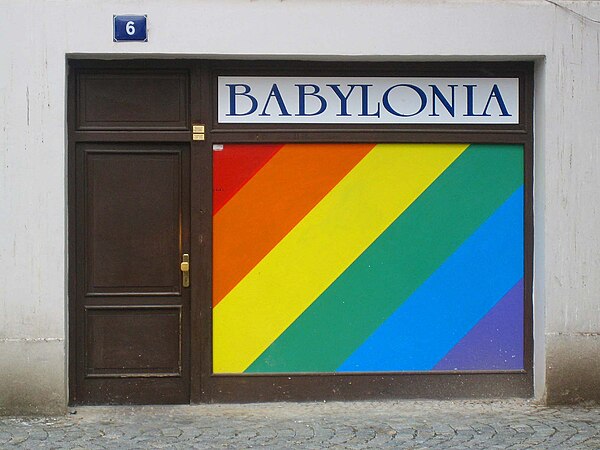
[[284, 230]]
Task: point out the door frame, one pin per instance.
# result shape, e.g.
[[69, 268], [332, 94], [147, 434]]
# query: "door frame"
[[144, 137], [208, 387]]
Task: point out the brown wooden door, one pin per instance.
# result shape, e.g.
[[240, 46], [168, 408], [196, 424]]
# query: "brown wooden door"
[[132, 309]]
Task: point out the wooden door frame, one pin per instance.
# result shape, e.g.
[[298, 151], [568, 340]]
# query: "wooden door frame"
[[182, 135], [208, 387]]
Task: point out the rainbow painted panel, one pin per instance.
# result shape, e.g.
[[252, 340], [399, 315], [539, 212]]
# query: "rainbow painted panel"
[[367, 258]]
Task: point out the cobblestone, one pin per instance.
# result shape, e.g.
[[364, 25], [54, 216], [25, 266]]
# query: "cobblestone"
[[501, 424]]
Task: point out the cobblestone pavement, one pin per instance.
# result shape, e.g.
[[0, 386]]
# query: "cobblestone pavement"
[[514, 424]]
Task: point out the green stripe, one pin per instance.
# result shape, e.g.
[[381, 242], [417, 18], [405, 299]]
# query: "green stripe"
[[400, 260]]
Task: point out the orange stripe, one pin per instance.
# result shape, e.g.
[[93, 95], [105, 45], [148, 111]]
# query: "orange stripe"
[[272, 203], [234, 166]]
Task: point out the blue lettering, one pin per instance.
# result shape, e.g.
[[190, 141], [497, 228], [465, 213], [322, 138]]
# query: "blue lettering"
[[274, 93], [233, 94], [365, 102], [496, 94], [437, 94], [302, 94], [388, 106], [470, 88], [343, 98]]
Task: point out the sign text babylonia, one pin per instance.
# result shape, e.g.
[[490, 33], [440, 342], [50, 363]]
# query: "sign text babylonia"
[[368, 100]]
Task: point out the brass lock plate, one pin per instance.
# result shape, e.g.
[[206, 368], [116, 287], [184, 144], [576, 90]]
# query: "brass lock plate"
[[198, 132], [185, 270]]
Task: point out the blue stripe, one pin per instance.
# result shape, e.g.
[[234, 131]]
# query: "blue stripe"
[[452, 300]]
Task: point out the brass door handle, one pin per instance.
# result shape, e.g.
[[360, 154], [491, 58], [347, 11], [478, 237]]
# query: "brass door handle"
[[185, 270]]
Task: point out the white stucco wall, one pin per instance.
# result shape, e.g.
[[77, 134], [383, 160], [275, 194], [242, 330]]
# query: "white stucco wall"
[[37, 36]]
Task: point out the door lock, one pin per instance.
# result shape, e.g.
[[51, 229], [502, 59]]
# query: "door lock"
[[185, 270]]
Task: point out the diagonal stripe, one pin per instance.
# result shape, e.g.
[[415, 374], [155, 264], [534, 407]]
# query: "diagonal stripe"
[[385, 275], [234, 166], [495, 342], [321, 247], [272, 203], [452, 300]]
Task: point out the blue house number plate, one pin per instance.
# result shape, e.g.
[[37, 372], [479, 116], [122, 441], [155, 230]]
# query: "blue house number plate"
[[130, 28]]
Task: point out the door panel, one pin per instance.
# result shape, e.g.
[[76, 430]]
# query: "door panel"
[[133, 228], [129, 341], [141, 194], [133, 100]]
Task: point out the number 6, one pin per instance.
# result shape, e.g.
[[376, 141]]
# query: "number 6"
[[130, 28]]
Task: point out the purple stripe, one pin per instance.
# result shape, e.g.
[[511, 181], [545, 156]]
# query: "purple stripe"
[[495, 342]]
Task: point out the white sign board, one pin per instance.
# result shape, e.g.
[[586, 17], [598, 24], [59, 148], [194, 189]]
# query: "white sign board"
[[368, 100]]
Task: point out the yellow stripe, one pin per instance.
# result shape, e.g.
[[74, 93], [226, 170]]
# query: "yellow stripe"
[[321, 247]]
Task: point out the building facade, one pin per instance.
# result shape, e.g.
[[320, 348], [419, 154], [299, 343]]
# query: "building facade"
[[264, 200]]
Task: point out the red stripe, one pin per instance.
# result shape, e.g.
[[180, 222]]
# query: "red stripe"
[[234, 166]]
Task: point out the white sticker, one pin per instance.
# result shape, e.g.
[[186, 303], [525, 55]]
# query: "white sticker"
[[217, 147]]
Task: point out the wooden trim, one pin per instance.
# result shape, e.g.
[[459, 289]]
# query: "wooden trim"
[[131, 136], [526, 101], [338, 387], [370, 68], [71, 233], [201, 242], [479, 137]]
